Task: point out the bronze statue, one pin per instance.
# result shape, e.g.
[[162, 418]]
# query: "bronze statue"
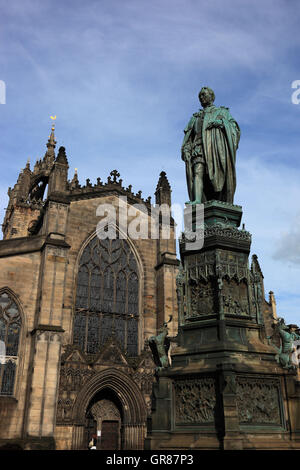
[[209, 151], [288, 335], [160, 345]]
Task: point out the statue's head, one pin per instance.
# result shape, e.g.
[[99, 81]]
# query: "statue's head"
[[206, 96], [293, 328]]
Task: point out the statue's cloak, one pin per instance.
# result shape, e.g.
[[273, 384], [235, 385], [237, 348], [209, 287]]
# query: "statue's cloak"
[[219, 147]]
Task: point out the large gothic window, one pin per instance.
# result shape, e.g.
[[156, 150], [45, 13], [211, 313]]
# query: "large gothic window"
[[107, 296], [10, 326]]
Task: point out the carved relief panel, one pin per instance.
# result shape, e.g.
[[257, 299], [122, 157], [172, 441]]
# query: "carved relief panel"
[[259, 401], [235, 298], [202, 299], [217, 282], [195, 401]]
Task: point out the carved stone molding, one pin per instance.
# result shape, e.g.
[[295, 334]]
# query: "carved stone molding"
[[48, 333], [226, 232]]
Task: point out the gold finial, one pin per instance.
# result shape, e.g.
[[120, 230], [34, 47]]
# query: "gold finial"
[[51, 139], [53, 119]]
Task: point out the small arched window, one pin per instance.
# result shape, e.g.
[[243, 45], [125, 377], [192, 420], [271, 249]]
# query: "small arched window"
[[10, 327], [107, 296]]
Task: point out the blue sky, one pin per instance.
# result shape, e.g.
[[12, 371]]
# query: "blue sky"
[[123, 79]]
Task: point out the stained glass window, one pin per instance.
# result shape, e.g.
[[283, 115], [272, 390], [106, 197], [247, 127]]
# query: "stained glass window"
[[10, 326], [107, 296]]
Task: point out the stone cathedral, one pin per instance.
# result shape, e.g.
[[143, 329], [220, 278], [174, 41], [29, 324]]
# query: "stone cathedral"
[[76, 311], [114, 340]]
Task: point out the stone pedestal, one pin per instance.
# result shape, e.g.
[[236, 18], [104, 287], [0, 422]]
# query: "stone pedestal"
[[224, 388]]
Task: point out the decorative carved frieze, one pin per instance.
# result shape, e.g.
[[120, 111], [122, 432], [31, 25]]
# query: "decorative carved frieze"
[[105, 410], [220, 263], [226, 232], [73, 378], [195, 401], [216, 281], [258, 401], [64, 409], [235, 298], [202, 299], [144, 380]]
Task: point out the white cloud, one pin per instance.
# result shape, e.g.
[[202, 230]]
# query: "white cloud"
[[288, 245], [270, 196]]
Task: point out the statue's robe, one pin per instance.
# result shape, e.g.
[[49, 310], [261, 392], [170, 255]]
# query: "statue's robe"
[[219, 150]]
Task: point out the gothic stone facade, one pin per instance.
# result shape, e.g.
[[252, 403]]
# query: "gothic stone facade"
[[76, 311]]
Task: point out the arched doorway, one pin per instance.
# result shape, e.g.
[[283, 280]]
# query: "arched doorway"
[[112, 406], [104, 419]]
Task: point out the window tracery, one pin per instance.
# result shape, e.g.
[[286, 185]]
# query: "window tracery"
[[107, 296], [10, 327]]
